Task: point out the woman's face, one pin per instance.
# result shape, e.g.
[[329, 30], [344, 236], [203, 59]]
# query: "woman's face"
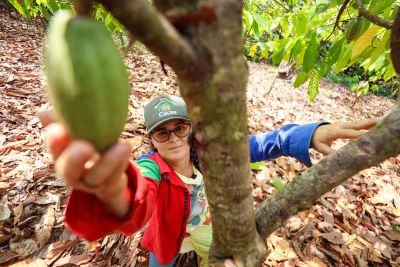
[[174, 148]]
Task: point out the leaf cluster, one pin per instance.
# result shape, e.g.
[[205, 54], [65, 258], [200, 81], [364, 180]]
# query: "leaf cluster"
[[305, 32]]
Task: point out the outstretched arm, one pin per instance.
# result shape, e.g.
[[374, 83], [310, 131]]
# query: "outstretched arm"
[[295, 140]]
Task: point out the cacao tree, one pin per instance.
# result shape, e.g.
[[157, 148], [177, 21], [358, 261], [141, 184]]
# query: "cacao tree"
[[203, 42]]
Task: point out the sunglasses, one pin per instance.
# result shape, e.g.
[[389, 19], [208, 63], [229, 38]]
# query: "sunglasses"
[[163, 135]]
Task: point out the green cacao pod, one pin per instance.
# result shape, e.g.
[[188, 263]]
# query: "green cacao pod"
[[354, 29], [88, 83]]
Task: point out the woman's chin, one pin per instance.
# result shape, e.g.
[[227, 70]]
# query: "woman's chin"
[[177, 155]]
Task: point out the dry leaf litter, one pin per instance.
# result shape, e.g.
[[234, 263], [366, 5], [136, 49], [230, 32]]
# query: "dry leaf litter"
[[356, 224]]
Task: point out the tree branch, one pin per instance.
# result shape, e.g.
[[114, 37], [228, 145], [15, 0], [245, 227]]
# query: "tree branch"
[[83, 7], [342, 9], [386, 23], [151, 28], [284, 7], [395, 43], [380, 143]]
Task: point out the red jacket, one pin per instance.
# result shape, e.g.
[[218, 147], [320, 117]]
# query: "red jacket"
[[165, 206]]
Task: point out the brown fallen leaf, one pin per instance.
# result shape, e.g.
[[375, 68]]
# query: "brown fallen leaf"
[[43, 229], [30, 263], [24, 247], [392, 235], [336, 237]]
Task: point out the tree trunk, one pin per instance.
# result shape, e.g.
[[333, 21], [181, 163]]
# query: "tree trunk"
[[202, 41], [217, 105]]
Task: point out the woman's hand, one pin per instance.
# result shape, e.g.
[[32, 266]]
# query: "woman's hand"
[[324, 135], [84, 169]]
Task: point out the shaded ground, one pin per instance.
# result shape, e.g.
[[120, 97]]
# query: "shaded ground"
[[353, 225]]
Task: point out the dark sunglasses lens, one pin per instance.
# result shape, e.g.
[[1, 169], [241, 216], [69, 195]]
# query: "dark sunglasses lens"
[[161, 136], [182, 130]]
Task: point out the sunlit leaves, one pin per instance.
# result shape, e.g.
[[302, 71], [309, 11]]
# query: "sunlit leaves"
[[364, 41], [311, 54], [304, 34], [46, 8], [315, 77], [332, 56], [301, 78]]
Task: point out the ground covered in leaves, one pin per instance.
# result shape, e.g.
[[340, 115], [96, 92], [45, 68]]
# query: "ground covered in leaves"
[[356, 224]]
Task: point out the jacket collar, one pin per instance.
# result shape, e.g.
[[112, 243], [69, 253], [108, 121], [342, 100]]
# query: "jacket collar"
[[166, 169]]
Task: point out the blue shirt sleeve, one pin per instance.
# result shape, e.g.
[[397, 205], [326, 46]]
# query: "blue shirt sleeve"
[[291, 140]]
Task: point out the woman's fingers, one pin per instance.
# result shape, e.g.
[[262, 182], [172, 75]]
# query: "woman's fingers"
[[361, 124], [57, 139], [324, 148], [112, 163], [46, 117], [347, 134], [71, 163]]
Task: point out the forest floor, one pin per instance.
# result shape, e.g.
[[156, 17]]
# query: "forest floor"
[[356, 224]]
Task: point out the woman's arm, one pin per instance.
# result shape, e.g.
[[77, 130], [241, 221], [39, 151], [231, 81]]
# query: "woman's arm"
[[295, 140]]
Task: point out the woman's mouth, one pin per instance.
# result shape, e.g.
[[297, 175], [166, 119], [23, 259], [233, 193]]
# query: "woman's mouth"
[[174, 147]]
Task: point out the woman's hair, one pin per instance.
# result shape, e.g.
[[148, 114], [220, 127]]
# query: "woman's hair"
[[194, 158]]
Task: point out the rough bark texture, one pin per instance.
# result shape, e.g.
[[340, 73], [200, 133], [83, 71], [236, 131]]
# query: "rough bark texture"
[[151, 28], [380, 143], [395, 43], [217, 106]]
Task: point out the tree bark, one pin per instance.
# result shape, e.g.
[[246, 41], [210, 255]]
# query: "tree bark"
[[217, 106], [202, 41], [150, 27], [395, 44], [380, 143], [386, 23]]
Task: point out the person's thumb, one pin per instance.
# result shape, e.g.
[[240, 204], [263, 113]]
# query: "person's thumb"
[[46, 117], [324, 149]]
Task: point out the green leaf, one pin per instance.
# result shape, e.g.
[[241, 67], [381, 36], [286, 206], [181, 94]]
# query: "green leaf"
[[377, 7], [262, 22], [278, 184], [301, 78], [247, 19], [264, 50], [256, 29], [257, 165], [332, 56], [395, 227], [285, 26], [295, 49], [344, 58], [382, 46], [53, 5], [311, 54], [278, 55], [25, 8], [390, 73], [313, 85], [44, 12], [17, 6], [321, 8], [300, 23]]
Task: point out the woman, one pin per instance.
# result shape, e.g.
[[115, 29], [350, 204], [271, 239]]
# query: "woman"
[[163, 189]]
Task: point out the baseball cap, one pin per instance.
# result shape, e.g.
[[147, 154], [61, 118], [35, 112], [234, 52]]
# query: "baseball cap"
[[164, 108]]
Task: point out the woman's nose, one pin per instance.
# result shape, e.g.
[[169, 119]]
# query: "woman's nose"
[[173, 137]]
